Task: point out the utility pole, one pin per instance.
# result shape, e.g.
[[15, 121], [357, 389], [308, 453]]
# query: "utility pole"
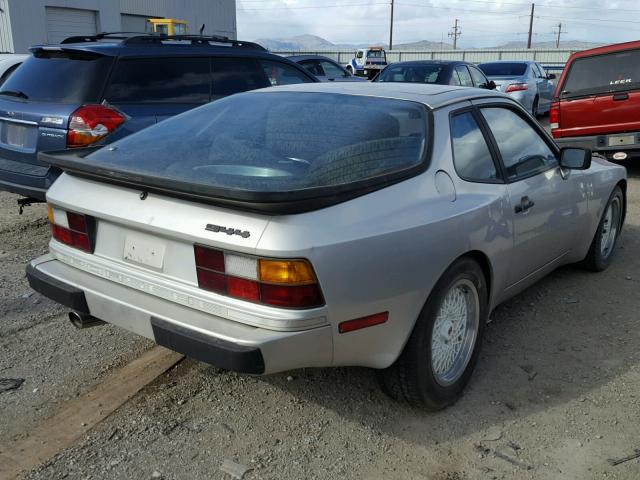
[[391, 29], [533, 7], [559, 32], [455, 33]]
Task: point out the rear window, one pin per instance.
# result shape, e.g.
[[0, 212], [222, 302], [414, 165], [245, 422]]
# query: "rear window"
[[603, 73], [234, 75], [160, 80], [411, 73], [277, 142], [501, 69], [60, 77]]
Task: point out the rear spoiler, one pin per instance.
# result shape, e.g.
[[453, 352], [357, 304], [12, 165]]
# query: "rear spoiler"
[[73, 162]]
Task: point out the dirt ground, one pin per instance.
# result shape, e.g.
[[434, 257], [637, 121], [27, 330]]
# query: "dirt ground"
[[555, 395]]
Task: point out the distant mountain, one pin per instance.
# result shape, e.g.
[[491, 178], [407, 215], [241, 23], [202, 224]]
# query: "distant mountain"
[[314, 43]]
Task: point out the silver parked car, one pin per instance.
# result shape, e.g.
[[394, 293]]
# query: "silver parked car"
[[325, 69], [526, 81], [277, 229]]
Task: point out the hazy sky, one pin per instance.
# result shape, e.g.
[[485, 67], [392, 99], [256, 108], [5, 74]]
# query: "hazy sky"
[[482, 22]]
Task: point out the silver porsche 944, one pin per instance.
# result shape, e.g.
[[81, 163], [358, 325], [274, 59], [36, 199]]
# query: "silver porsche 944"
[[320, 225]]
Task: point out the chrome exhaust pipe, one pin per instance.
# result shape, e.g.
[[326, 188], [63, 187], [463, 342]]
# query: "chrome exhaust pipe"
[[81, 320]]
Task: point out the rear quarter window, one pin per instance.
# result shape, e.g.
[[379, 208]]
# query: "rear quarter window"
[[61, 77], [617, 71], [292, 141]]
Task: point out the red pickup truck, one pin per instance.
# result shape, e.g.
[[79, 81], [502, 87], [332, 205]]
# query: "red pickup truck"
[[597, 101]]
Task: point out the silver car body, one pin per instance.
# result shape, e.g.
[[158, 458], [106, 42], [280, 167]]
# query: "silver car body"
[[539, 85], [379, 252]]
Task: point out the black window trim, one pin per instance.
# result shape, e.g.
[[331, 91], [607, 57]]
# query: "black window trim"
[[535, 126], [500, 180], [486, 80]]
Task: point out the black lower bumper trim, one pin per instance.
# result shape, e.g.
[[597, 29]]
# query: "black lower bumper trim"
[[54, 289], [219, 353]]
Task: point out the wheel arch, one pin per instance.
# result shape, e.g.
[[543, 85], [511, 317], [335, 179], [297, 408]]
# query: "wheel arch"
[[623, 186]]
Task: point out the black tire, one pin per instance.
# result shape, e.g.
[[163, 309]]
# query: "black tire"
[[411, 378], [350, 69], [599, 258], [534, 107]]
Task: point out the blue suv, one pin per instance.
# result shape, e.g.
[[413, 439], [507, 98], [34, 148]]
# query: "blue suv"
[[93, 90]]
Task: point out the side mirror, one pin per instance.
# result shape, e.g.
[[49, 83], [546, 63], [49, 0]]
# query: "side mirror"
[[551, 76], [575, 158], [491, 85]]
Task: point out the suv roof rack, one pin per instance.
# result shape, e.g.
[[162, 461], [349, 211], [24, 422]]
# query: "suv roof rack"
[[157, 39]]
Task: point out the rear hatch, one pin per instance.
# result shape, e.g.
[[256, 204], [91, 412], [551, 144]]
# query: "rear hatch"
[[38, 99], [600, 94], [505, 73]]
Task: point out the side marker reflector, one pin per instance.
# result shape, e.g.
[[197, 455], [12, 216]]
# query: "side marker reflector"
[[364, 322]]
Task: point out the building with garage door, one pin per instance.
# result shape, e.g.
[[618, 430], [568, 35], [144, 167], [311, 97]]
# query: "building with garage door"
[[28, 22]]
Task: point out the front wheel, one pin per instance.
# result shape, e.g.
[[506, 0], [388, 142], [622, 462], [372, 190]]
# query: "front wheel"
[[350, 69], [439, 358], [606, 237]]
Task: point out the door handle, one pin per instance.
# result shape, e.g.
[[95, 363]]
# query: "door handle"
[[525, 204], [620, 96]]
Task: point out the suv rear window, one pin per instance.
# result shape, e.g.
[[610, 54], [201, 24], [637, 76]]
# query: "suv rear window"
[[160, 80], [503, 69], [60, 77], [277, 142], [603, 73]]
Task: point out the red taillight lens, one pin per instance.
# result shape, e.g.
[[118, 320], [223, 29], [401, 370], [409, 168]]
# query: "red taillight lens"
[[554, 116], [70, 228], [517, 87], [280, 283], [90, 123]]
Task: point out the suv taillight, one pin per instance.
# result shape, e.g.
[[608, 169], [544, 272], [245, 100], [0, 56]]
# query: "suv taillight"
[[554, 116], [90, 123], [70, 228], [279, 283]]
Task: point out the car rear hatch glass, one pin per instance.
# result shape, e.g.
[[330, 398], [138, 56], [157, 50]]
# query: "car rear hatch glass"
[[37, 100], [273, 148], [602, 74]]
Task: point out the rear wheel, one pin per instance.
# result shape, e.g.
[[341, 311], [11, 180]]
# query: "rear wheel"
[[439, 358], [606, 237]]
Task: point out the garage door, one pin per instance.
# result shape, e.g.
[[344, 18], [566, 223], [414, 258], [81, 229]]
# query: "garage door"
[[134, 23], [66, 22]]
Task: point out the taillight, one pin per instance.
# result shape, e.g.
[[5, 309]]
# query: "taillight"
[[517, 87], [554, 116], [90, 123], [70, 228], [279, 283]]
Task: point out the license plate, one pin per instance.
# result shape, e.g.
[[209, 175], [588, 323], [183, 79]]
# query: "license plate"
[[615, 140], [16, 135], [144, 251]]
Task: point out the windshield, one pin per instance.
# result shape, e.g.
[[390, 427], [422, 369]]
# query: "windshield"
[[603, 73], [503, 69], [411, 73], [277, 142], [60, 77]]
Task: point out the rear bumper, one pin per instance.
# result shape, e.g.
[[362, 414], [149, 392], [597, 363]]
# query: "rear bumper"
[[599, 144], [24, 179], [205, 337]]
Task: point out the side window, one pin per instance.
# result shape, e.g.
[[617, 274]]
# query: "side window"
[[479, 79], [160, 80], [234, 75], [283, 74], [331, 70], [471, 155], [313, 66], [455, 79], [359, 54], [465, 78], [523, 150]]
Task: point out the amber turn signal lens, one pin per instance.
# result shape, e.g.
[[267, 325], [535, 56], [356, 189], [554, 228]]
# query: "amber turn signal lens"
[[50, 213], [297, 272]]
